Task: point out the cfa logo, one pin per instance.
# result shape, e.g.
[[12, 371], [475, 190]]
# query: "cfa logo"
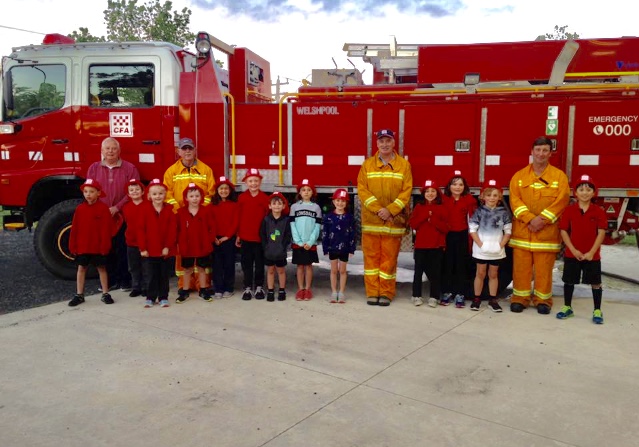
[[121, 124]]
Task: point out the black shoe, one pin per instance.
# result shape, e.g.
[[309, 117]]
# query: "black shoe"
[[143, 292], [475, 304], [270, 296], [281, 295], [259, 293], [182, 296], [517, 307], [106, 299], [125, 287], [372, 301], [247, 295], [135, 292], [77, 299], [205, 294], [543, 309]]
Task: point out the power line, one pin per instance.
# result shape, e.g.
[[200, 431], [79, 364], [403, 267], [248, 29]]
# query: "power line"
[[20, 29]]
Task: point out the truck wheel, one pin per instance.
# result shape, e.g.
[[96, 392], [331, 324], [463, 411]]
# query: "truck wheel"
[[51, 239]]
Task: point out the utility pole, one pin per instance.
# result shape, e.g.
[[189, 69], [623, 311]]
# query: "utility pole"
[[277, 86]]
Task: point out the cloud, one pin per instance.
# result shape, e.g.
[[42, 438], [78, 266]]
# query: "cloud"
[[269, 10]]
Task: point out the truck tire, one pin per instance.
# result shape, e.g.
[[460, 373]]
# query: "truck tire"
[[51, 239]]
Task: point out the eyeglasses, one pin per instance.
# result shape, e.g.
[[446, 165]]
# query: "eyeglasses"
[[187, 148]]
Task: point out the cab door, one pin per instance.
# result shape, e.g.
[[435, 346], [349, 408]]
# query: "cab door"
[[120, 100]]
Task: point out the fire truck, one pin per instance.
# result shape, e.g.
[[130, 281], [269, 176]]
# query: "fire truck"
[[474, 107]]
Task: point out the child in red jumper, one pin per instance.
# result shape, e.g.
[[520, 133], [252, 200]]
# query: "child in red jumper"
[[460, 205], [253, 205], [90, 239], [196, 238], [131, 212], [429, 220], [157, 239], [226, 213]]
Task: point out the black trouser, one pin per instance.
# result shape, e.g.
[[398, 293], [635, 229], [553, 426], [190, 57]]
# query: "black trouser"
[[160, 270], [252, 257], [429, 261], [117, 267], [224, 266], [456, 271], [138, 269]]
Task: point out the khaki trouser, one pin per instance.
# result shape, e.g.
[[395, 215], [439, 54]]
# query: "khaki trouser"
[[380, 264]]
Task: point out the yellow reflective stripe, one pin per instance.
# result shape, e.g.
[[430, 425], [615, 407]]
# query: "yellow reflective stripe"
[[385, 230], [534, 246], [399, 203], [548, 215], [189, 176], [520, 210], [517, 292], [376, 174], [387, 275], [370, 200], [543, 296], [538, 185], [207, 200], [171, 201], [370, 272]]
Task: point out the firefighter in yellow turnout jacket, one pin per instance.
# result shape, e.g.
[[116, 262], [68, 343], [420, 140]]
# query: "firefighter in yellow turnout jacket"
[[539, 193], [384, 186]]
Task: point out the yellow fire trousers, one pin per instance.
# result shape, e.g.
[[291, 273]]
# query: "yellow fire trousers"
[[380, 264], [527, 264]]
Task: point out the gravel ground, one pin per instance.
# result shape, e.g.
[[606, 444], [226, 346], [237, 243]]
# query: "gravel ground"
[[24, 282]]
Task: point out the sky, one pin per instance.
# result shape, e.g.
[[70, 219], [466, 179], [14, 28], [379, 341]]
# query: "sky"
[[296, 36]]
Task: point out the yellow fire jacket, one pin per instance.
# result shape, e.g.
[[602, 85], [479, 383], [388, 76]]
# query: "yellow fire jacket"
[[388, 186], [531, 196], [177, 177]]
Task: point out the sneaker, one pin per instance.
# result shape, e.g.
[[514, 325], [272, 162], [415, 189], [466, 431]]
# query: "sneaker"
[[205, 295], [432, 302], [218, 295], [341, 299], [106, 299], [259, 293], [281, 295], [445, 299], [565, 312], [460, 301], [308, 295], [135, 292], [494, 306], [270, 295], [125, 287], [475, 304], [182, 296], [248, 294], [148, 303], [164, 303], [77, 299], [299, 296], [597, 316], [417, 300], [227, 294], [334, 297]]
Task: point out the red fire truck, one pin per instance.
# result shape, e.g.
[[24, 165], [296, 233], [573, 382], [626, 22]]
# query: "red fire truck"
[[474, 107]]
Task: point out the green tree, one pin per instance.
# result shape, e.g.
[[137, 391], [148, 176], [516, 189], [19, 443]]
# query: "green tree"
[[152, 21], [560, 33]]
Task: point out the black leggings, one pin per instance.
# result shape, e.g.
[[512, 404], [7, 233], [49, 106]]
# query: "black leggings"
[[429, 261]]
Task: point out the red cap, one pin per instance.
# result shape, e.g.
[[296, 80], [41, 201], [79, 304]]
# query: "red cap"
[[307, 182], [94, 184], [428, 184], [157, 182], [191, 187], [491, 183], [252, 172], [341, 193], [585, 178], [224, 181], [456, 173], [133, 182]]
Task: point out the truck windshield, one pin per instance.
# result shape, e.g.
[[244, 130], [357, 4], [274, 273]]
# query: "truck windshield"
[[33, 90]]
